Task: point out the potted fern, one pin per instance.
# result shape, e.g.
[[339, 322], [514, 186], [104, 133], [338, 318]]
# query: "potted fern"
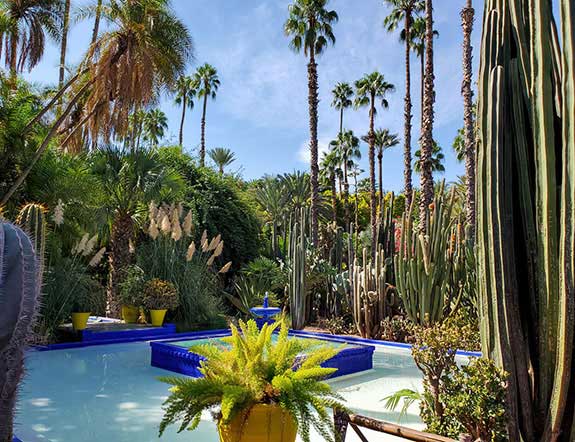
[[258, 389], [159, 297]]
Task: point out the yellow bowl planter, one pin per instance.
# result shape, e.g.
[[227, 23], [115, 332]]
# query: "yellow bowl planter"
[[130, 314], [157, 317], [262, 423], [79, 320]]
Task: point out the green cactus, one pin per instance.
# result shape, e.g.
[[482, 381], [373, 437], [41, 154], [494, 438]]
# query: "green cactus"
[[32, 220], [20, 282], [526, 211], [424, 264], [386, 236], [297, 267]]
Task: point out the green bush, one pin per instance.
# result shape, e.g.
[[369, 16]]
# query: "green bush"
[[160, 295], [132, 286]]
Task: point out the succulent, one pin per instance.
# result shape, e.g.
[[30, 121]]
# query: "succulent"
[[32, 219], [297, 260], [20, 281]]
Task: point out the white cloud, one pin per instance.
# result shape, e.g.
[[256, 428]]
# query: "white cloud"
[[303, 153]]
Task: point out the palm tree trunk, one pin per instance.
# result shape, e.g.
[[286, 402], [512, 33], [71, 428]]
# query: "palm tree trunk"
[[407, 173], [341, 120], [346, 195], [467, 17], [373, 201], [14, 58], [422, 85], [64, 44], [333, 199], [427, 120], [184, 104], [313, 102], [119, 258], [380, 180], [96, 28], [203, 135]]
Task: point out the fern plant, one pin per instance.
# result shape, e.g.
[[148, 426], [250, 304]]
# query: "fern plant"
[[249, 369]]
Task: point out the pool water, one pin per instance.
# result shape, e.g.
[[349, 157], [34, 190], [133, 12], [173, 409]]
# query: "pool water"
[[220, 342], [110, 393]]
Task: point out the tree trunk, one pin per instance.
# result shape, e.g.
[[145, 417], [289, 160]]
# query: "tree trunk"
[[203, 135], [467, 16], [96, 28], [64, 44], [380, 180], [14, 58], [346, 195], [341, 121], [313, 102], [119, 258], [184, 104], [373, 200], [333, 199], [428, 115], [407, 173]]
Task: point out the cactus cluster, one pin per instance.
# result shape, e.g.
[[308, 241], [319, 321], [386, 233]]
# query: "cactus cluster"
[[20, 281], [386, 236], [32, 219], [297, 267]]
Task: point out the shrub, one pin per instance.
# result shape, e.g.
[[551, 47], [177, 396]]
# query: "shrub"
[[160, 295], [398, 329], [132, 286]]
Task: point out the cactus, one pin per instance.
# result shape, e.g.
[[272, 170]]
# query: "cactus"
[[32, 220], [20, 282], [423, 264], [386, 236], [296, 288], [372, 295], [526, 211]]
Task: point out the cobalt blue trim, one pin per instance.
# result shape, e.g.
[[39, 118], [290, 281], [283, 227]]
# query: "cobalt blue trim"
[[91, 335], [15, 439]]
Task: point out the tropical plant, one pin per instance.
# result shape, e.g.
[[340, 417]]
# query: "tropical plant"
[[525, 212], [64, 42], [342, 99], [185, 91], [435, 160], [251, 369], [297, 186], [296, 289], [369, 88], [132, 286], [310, 27], [160, 295], [97, 18], [155, 123], [329, 165], [403, 12], [270, 195], [207, 81], [384, 140], [222, 157]]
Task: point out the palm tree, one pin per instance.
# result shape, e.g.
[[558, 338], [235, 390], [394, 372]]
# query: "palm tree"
[[427, 119], [329, 166], [367, 90], [402, 12], [436, 159], [342, 94], [310, 26], [272, 199], [467, 17], [206, 78], [155, 125], [136, 129], [24, 36], [96, 28], [144, 51], [222, 157], [297, 187], [347, 147], [64, 42], [384, 140], [185, 90], [129, 181]]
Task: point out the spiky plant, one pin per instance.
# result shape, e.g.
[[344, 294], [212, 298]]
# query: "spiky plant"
[[253, 369], [222, 157]]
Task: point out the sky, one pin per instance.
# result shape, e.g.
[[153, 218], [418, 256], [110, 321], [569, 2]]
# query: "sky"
[[261, 112]]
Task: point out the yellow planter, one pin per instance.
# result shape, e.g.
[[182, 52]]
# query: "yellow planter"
[[130, 314], [79, 320], [262, 423], [158, 317]]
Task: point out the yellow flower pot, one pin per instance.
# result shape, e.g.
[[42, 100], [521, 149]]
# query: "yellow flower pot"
[[157, 317], [262, 423], [130, 314], [79, 320]]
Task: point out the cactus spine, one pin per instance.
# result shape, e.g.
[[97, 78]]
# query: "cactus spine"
[[526, 211], [297, 272], [20, 282], [32, 220]]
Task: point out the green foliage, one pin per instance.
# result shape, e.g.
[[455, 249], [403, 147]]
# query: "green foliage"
[[265, 273], [132, 286], [397, 329], [297, 266], [160, 295], [252, 369]]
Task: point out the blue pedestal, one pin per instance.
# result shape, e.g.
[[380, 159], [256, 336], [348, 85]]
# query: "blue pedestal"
[[265, 315]]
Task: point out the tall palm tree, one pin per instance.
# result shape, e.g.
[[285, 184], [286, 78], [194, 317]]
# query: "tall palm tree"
[[310, 26], [185, 90], [24, 36], [342, 94], [206, 78], [155, 125], [384, 140], [467, 17], [403, 12], [346, 145], [367, 90], [222, 157], [64, 42], [145, 49], [129, 181], [427, 119], [329, 166], [436, 160]]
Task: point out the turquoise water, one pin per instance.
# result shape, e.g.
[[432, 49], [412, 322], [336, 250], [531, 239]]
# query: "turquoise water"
[[219, 341], [110, 393]]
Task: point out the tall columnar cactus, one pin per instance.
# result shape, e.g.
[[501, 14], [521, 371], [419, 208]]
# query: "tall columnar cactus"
[[386, 236], [526, 211], [423, 264], [32, 220], [297, 260], [20, 281], [372, 294]]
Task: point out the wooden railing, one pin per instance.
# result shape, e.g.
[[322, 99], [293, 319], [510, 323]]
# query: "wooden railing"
[[343, 420]]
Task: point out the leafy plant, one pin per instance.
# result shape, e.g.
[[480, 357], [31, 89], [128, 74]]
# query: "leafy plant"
[[160, 295], [132, 286], [397, 329], [252, 369]]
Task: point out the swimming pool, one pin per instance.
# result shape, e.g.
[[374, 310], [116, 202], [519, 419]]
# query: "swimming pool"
[[110, 393]]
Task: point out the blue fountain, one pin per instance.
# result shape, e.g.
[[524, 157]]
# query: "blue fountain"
[[265, 314]]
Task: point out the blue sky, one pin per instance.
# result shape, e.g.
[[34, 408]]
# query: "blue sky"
[[261, 108]]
